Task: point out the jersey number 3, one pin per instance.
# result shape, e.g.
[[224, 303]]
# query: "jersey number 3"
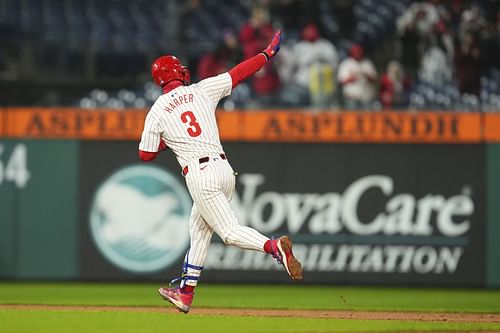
[[188, 117]]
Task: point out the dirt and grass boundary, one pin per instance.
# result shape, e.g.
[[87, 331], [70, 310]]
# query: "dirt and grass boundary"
[[295, 313]]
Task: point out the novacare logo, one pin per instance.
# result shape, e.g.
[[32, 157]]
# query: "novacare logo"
[[404, 235], [331, 213], [138, 219]]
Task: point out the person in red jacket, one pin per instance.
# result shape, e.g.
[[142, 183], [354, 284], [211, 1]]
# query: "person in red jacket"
[[395, 87], [254, 36], [226, 55]]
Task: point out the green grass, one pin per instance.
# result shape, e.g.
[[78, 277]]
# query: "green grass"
[[279, 296], [67, 321]]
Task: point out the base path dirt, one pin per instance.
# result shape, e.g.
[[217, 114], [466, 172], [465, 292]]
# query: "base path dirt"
[[325, 314]]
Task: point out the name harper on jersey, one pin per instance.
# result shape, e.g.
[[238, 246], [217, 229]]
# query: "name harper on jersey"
[[178, 101]]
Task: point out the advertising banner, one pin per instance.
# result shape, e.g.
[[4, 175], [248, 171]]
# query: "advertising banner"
[[391, 198], [351, 127], [363, 214], [493, 214], [133, 214], [38, 214], [262, 125], [374, 214]]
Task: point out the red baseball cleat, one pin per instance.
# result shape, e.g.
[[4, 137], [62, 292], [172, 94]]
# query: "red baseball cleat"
[[283, 253], [181, 300]]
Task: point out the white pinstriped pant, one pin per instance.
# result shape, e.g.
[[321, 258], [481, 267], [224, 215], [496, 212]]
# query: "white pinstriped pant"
[[211, 186]]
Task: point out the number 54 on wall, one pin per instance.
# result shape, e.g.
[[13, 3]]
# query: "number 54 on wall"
[[14, 168]]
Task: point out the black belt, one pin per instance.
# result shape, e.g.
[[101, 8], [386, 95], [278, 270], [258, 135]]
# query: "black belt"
[[205, 159]]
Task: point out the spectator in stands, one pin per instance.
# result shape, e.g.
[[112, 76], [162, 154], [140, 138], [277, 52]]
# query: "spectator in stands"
[[455, 9], [410, 49], [395, 87], [357, 76], [313, 62], [468, 65], [435, 66], [414, 27], [423, 15], [225, 56], [443, 37], [254, 36], [471, 21]]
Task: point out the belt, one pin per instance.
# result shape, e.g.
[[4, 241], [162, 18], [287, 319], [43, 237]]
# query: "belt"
[[205, 159]]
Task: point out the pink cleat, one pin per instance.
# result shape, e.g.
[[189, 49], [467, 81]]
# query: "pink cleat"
[[284, 255], [181, 300]]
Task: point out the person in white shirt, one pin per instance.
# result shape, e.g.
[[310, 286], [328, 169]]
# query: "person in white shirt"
[[358, 78], [309, 68]]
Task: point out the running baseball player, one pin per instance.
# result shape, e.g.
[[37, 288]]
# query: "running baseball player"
[[183, 119]]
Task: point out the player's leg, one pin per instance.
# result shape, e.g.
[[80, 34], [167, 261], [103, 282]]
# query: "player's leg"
[[207, 191], [201, 235], [212, 191], [281, 248], [218, 212]]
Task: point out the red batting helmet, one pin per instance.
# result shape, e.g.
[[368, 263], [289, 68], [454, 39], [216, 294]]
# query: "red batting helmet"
[[168, 68]]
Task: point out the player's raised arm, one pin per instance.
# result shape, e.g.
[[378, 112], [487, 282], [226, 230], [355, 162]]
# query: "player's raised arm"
[[248, 67]]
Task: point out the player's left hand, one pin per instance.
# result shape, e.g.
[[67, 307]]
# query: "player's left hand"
[[274, 46]]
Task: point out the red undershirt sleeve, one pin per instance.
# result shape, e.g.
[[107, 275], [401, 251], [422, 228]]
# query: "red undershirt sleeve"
[[246, 68], [147, 156]]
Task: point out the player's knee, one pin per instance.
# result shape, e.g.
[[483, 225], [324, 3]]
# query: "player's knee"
[[228, 238]]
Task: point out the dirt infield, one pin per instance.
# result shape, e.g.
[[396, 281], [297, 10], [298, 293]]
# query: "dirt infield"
[[325, 314]]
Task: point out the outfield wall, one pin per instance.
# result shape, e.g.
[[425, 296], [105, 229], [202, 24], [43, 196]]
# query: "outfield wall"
[[395, 207]]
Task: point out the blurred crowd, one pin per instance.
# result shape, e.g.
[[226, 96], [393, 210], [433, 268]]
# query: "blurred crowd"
[[436, 42], [336, 54]]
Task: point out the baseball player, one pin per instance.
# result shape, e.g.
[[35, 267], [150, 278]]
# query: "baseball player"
[[183, 119]]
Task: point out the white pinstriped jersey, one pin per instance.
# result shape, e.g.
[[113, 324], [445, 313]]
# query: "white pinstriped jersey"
[[185, 119]]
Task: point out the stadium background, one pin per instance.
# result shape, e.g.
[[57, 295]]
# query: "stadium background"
[[404, 194], [392, 200]]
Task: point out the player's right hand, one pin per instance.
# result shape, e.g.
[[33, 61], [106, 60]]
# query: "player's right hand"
[[274, 46]]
